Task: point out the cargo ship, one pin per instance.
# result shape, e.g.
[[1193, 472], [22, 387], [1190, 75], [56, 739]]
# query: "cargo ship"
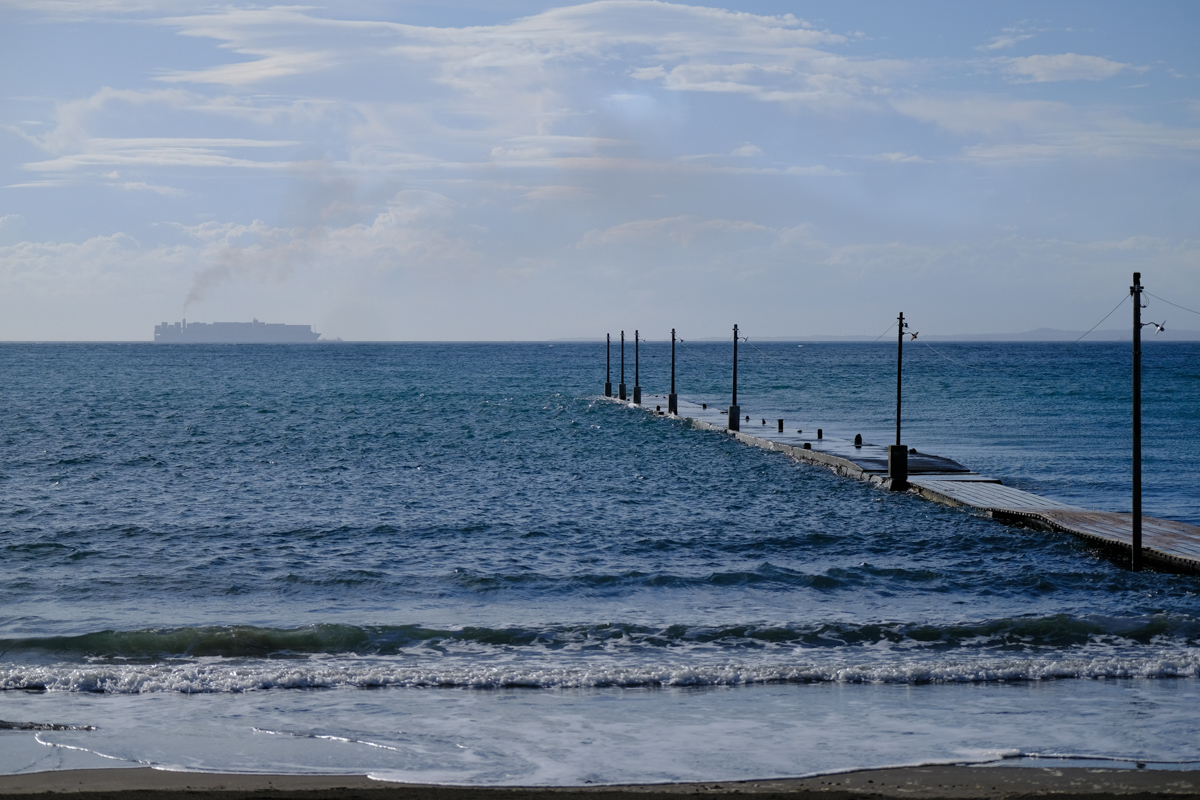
[[233, 333]]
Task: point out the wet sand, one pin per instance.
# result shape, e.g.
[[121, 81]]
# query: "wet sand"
[[912, 782]]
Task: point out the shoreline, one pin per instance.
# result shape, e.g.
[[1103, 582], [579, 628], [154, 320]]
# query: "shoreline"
[[914, 782]]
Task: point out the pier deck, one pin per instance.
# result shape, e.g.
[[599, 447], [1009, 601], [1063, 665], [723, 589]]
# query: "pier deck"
[[1167, 545]]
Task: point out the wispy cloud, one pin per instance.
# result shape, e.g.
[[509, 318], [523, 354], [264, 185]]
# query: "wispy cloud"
[[414, 231], [1062, 67], [779, 59], [1004, 41], [200, 153], [895, 158], [682, 231], [142, 186], [1034, 131]]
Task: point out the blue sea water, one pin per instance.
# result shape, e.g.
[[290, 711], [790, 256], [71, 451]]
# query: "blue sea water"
[[456, 563]]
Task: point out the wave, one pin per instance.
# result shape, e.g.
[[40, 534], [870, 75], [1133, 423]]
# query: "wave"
[[42, 726], [222, 676], [1013, 634]]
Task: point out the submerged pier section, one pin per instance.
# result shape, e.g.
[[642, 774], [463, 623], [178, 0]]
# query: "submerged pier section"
[[1166, 545]]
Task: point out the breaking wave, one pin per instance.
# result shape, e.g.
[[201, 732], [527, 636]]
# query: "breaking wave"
[[223, 676], [247, 658], [1013, 634]]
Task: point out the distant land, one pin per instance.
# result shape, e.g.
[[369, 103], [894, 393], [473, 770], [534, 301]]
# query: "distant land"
[[1039, 335]]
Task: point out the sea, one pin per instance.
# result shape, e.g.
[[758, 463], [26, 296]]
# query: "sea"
[[459, 563]]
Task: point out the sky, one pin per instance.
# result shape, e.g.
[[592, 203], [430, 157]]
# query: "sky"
[[522, 170]]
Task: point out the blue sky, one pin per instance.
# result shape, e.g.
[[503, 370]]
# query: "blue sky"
[[531, 170]]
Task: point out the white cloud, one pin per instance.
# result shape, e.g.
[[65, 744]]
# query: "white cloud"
[[524, 148], [680, 47], [42, 184], [1031, 131], [1005, 41], [986, 114], [1062, 67], [682, 231], [99, 265], [75, 10], [896, 158], [554, 193], [415, 231], [142, 186], [77, 149], [161, 155], [746, 149]]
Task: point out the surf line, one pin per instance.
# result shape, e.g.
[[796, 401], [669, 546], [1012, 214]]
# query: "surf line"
[[1167, 545]]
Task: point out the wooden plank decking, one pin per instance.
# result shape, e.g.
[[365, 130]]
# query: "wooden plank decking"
[[989, 496], [1166, 544]]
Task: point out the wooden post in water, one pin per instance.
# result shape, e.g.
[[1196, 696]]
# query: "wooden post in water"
[[735, 411], [672, 399], [637, 386], [1136, 290], [897, 453], [621, 385], [608, 365]]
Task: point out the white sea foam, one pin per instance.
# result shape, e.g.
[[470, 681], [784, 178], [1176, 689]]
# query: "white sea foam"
[[236, 676]]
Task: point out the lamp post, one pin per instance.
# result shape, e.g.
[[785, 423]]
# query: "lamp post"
[[1136, 290], [898, 453], [672, 398]]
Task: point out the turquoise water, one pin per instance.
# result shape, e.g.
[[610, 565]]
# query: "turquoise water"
[[452, 562]]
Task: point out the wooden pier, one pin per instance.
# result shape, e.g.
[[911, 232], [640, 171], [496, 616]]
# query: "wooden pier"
[[1166, 545]]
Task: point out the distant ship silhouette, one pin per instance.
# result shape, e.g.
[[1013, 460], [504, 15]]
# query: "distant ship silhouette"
[[233, 333]]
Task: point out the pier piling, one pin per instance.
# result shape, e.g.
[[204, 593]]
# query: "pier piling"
[[621, 385], [608, 365], [735, 411], [637, 385], [897, 467]]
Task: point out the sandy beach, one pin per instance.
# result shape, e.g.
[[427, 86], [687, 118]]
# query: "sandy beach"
[[914, 782]]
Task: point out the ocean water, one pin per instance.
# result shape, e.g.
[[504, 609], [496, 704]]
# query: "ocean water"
[[456, 563]]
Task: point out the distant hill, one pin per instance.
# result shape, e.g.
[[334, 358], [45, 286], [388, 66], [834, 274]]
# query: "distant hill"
[[1039, 335]]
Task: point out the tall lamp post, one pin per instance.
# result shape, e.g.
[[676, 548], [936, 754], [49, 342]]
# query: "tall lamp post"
[[672, 398], [898, 453], [1136, 539], [1136, 290]]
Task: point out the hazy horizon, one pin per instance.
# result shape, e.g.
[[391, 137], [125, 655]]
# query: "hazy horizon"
[[1035, 336]]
